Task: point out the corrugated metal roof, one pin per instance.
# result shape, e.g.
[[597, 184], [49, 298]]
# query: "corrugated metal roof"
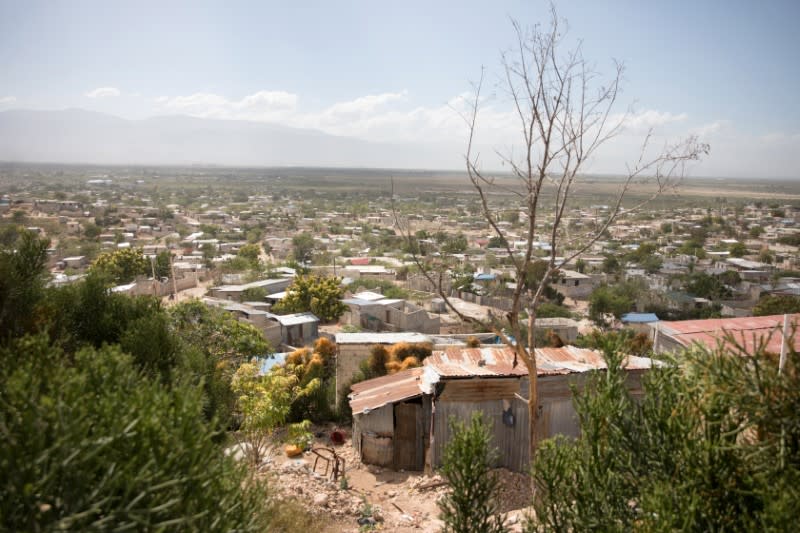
[[748, 332], [375, 393], [294, 319], [459, 362], [496, 362], [380, 338]]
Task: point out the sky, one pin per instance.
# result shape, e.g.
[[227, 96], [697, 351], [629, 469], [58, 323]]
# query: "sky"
[[728, 71]]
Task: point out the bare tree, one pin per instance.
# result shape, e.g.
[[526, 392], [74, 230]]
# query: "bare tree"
[[565, 113]]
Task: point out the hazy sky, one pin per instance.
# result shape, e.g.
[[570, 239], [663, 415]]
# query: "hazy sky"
[[393, 71]]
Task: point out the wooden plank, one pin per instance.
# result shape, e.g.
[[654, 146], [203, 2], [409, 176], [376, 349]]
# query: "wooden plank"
[[407, 417]]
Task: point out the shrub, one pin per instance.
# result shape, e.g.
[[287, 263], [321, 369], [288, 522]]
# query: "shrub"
[[470, 505], [93, 445], [713, 445]]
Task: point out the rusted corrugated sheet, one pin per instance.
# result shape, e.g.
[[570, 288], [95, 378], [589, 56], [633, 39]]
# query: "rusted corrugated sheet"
[[374, 393], [747, 332], [457, 362], [478, 390]]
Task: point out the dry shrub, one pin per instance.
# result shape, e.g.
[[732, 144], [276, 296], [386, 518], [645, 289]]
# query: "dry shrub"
[[409, 362]]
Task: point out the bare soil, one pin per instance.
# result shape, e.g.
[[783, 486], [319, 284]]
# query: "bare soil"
[[388, 500]]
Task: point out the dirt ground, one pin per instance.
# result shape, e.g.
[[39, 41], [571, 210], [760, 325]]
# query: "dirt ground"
[[376, 497]]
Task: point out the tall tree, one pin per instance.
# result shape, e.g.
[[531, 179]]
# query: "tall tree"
[[565, 113]]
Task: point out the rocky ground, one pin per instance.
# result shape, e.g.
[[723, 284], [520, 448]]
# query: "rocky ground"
[[378, 498]]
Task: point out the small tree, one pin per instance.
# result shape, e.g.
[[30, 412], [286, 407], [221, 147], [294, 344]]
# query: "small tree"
[[320, 295], [263, 403], [122, 265], [470, 506], [303, 245]]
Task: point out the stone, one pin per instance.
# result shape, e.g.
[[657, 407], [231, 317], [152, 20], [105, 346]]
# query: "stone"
[[321, 499]]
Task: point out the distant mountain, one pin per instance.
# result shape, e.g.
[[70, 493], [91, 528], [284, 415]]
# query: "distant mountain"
[[79, 136]]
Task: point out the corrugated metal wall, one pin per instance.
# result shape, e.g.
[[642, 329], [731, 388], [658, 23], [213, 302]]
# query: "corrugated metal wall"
[[510, 441]]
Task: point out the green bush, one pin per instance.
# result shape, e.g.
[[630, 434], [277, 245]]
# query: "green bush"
[[713, 445], [470, 505], [94, 445]]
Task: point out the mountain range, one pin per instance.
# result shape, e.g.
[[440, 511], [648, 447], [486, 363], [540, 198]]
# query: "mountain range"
[[80, 136]]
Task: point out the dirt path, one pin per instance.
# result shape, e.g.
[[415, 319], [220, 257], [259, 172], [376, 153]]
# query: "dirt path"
[[404, 502]]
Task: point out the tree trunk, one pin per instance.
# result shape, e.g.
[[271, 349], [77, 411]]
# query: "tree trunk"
[[533, 407]]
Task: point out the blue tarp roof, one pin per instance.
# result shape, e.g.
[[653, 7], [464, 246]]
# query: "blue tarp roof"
[[639, 318]]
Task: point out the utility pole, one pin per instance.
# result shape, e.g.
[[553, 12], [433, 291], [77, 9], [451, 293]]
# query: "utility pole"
[[153, 270], [174, 281]]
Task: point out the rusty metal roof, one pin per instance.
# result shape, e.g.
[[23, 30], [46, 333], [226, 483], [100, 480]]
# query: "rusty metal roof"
[[747, 332], [460, 362], [377, 392], [499, 361]]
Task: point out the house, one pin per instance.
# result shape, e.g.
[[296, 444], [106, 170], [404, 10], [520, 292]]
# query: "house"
[[354, 348], [235, 292], [373, 311], [565, 328], [747, 332], [297, 329], [402, 420], [639, 322], [573, 284]]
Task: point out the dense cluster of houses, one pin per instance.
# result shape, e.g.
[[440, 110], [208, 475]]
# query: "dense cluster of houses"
[[401, 420]]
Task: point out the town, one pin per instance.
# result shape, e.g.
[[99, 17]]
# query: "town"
[[343, 267], [333, 273]]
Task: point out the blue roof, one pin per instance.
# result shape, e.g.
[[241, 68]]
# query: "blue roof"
[[485, 277], [639, 318]]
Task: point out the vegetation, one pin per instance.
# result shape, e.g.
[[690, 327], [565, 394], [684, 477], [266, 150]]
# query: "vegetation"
[[320, 295], [470, 505], [611, 300], [103, 424], [122, 265], [712, 445], [776, 305]]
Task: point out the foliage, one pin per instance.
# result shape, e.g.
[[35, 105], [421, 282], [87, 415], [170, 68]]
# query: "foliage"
[[385, 287], [299, 434], [215, 344], [315, 372], [626, 341], [776, 305], [470, 505], [263, 402], [706, 286], [738, 250], [552, 310], [251, 253], [455, 245], [713, 445], [22, 282], [303, 247], [497, 242], [254, 294], [88, 443], [121, 265], [609, 300], [163, 265], [793, 239], [320, 295]]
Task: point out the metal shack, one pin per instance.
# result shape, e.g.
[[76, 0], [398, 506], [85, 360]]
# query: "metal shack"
[[402, 421]]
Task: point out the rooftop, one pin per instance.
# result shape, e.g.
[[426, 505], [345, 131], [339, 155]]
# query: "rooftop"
[[747, 332]]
